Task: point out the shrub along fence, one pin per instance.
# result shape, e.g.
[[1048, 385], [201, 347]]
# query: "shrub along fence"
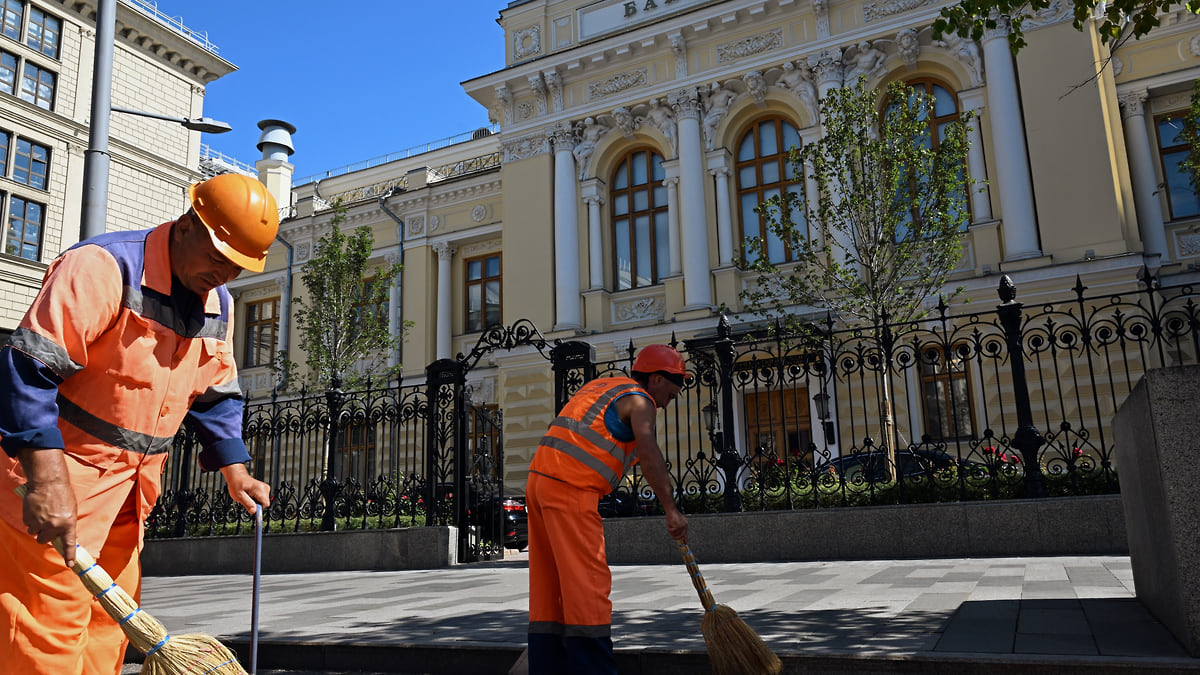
[[1007, 402]]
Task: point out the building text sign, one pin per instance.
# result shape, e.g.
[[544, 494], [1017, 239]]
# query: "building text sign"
[[615, 15]]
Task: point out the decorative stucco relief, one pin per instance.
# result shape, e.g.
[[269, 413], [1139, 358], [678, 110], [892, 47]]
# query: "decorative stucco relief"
[[617, 83], [755, 44], [879, 10], [1188, 244], [527, 42], [480, 247], [525, 147], [638, 309]]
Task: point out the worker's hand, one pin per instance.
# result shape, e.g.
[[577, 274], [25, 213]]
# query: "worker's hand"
[[677, 525], [246, 489], [48, 508]]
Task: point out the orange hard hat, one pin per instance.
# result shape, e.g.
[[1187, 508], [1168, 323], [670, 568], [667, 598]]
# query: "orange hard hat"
[[654, 358], [241, 217]]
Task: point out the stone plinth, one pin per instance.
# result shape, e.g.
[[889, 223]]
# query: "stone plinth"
[[1157, 433]]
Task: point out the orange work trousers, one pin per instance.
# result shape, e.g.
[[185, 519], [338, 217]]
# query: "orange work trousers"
[[570, 612], [53, 625]]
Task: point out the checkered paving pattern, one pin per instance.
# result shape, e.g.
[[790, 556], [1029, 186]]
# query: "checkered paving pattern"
[[1056, 607]]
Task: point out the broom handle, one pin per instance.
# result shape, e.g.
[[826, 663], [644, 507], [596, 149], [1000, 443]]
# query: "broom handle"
[[706, 597]]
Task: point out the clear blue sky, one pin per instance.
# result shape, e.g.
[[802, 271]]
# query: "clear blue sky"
[[358, 78]]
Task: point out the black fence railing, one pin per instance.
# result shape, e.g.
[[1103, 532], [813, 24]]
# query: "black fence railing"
[[1000, 403], [1003, 403]]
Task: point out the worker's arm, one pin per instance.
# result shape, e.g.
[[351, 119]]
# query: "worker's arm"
[[78, 301], [642, 416]]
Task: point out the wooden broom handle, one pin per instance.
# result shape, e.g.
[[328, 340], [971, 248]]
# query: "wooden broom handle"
[[706, 597]]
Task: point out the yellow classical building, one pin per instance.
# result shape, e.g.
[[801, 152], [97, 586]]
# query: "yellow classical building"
[[632, 139]]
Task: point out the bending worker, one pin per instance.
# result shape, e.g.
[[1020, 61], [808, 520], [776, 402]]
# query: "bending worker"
[[606, 427], [131, 333]]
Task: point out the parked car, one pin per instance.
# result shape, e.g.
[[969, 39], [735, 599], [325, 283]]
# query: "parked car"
[[911, 463], [619, 504], [513, 518]]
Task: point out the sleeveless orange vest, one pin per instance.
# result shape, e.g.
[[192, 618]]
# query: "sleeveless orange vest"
[[578, 449]]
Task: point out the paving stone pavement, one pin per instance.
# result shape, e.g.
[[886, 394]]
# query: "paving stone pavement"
[[1056, 610]]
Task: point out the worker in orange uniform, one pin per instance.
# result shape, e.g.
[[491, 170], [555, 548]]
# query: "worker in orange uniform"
[[131, 334], [606, 427]]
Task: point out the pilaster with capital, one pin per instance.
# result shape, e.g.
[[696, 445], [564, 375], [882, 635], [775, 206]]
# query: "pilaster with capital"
[[718, 166], [827, 67], [445, 251], [981, 204], [593, 197], [1141, 168]]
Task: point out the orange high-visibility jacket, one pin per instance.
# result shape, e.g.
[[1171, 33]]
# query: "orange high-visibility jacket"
[[578, 449], [108, 361]]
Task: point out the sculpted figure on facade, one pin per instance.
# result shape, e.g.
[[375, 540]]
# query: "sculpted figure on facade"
[[659, 114], [589, 132], [756, 86], [538, 85], [625, 120], [966, 51], [798, 79], [716, 105], [909, 46], [867, 60]]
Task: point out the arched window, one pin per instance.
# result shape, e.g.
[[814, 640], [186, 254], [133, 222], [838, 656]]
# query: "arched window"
[[945, 112], [639, 220], [763, 171]]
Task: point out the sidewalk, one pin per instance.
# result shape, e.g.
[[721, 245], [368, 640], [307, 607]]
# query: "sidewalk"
[[1054, 614]]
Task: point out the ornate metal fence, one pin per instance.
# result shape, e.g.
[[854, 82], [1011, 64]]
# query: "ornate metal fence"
[[1007, 402]]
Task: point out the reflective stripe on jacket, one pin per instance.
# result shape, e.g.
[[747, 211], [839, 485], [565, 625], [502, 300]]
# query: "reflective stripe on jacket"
[[130, 360], [578, 449]]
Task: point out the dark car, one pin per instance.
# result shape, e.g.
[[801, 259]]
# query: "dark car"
[[873, 466], [514, 522], [619, 504]]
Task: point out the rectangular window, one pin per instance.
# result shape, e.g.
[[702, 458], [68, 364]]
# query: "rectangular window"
[[30, 162], [262, 329], [946, 395], [363, 304], [11, 10], [44, 32], [483, 292], [24, 236], [8, 73], [37, 86], [1182, 200]]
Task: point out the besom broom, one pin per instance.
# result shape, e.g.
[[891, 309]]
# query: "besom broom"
[[165, 654], [733, 647]]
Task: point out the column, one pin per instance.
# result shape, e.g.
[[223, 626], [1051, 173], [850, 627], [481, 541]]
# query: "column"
[[1141, 168], [827, 67], [718, 166], [444, 252], [693, 225], [395, 320], [672, 183], [566, 232], [981, 203], [1008, 135], [593, 196]]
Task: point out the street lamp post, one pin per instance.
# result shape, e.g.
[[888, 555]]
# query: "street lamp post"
[[96, 157]]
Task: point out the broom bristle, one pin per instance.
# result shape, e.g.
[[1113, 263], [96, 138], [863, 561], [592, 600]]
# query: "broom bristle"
[[192, 654], [165, 654], [733, 647]]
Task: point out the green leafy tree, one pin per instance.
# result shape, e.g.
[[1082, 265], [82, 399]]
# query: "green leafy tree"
[[344, 327], [882, 232], [1118, 19], [1191, 136]]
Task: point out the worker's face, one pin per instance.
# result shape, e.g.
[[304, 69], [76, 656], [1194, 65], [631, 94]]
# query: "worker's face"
[[198, 265], [663, 390]]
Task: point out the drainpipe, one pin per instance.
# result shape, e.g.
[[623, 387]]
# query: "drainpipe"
[[399, 327], [286, 313]]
